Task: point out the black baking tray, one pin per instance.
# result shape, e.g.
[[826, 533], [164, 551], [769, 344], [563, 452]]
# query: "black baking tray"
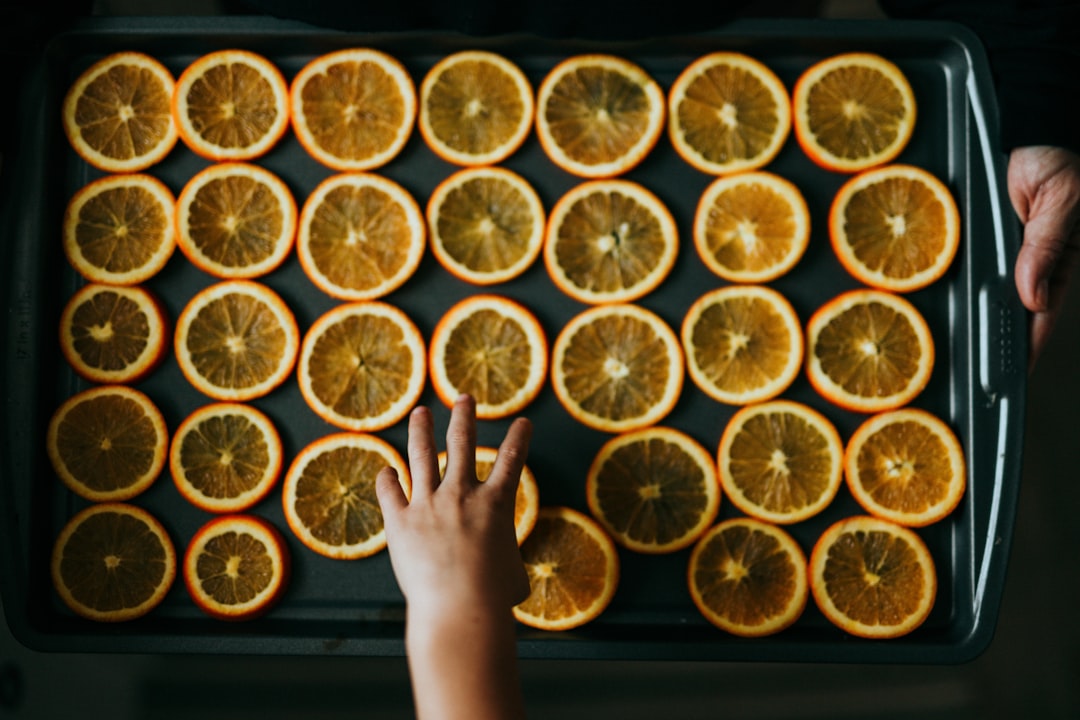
[[355, 608]]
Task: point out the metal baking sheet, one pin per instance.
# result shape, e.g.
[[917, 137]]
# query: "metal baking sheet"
[[355, 608]]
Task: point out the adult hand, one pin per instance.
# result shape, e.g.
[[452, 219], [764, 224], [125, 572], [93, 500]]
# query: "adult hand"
[[1044, 186]]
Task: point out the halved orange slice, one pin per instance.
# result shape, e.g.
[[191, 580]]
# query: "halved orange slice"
[[486, 224], [362, 366], [113, 562], [617, 368], [108, 443], [610, 241], [236, 340], [120, 229], [361, 236], [751, 227], [728, 112], [113, 333], [869, 351], [236, 567], [895, 227], [231, 105], [853, 111], [873, 578], [906, 466], [236, 220], [476, 108], [527, 499], [598, 115], [748, 577], [654, 490], [353, 109], [329, 494], [743, 343], [117, 113], [780, 461]]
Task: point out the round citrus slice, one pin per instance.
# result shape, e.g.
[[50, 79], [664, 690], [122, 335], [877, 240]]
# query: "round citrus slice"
[[231, 105], [486, 224], [236, 340], [906, 466], [353, 109], [236, 567], [869, 351], [573, 569], [329, 494], [610, 241], [895, 227], [108, 443], [476, 108], [654, 490], [361, 236], [117, 113], [236, 220], [873, 578], [780, 461], [743, 343], [617, 368], [225, 457], [113, 562], [527, 499], [491, 348], [751, 227], [598, 115], [748, 577], [119, 229], [362, 366], [853, 111], [727, 113], [113, 333]]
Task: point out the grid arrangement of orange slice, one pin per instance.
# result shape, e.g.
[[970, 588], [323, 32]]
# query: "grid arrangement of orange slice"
[[231, 105], [527, 499], [236, 567]]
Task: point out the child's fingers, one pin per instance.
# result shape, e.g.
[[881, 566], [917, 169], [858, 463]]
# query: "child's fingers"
[[423, 457], [461, 441], [388, 490], [512, 455]]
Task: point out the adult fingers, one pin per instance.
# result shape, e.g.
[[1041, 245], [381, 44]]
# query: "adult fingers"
[[513, 452], [423, 458], [389, 492], [461, 441]]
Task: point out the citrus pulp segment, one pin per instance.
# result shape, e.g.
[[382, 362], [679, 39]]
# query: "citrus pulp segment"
[[527, 498]]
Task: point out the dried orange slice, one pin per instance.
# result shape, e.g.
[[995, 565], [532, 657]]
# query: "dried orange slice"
[[654, 490], [906, 466], [617, 368], [748, 577], [751, 227], [486, 224], [743, 343], [527, 499], [117, 113], [329, 494], [780, 461], [113, 333], [853, 111], [361, 236], [362, 366], [113, 562], [476, 108], [727, 113], [573, 569], [491, 348], [598, 115], [353, 109], [225, 457], [610, 241], [236, 220], [120, 229], [236, 340], [236, 567], [869, 351], [231, 105], [108, 443], [873, 578], [895, 227]]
